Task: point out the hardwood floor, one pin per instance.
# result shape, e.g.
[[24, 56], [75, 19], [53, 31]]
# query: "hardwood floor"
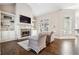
[[57, 47]]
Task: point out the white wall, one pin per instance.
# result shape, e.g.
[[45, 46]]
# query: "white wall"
[[56, 20], [22, 9]]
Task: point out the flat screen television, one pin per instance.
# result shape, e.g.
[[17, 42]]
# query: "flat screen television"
[[25, 19]]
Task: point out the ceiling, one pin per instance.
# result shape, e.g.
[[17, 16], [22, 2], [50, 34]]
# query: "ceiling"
[[43, 8]]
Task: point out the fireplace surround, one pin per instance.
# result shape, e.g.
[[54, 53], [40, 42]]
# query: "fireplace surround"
[[25, 32]]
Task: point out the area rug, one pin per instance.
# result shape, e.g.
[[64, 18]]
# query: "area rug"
[[24, 44]]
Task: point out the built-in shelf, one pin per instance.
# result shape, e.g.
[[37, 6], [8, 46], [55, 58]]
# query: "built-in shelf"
[[7, 21], [44, 24]]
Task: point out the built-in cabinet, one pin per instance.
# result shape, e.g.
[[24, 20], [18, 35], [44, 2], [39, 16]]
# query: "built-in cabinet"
[[7, 36], [7, 31], [42, 24], [7, 22]]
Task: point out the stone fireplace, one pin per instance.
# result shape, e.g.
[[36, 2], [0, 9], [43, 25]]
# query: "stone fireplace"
[[25, 32]]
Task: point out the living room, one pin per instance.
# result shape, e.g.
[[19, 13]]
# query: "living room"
[[39, 28]]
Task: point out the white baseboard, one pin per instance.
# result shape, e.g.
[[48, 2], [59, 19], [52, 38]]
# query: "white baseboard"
[[65, 37]]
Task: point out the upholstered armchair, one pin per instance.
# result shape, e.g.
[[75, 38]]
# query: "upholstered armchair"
[[49, 38], [37, 42]]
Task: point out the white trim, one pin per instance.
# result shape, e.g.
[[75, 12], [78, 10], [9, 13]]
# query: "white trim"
[[7, 13]]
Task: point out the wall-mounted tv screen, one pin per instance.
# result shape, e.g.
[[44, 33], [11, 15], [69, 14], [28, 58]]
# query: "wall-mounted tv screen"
[[25, 19]]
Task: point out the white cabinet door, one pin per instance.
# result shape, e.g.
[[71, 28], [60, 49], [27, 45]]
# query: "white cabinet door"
[[5, 36], [11, 35], [8, 36]]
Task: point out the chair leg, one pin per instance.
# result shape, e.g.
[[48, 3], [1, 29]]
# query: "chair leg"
[[34, 52]]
